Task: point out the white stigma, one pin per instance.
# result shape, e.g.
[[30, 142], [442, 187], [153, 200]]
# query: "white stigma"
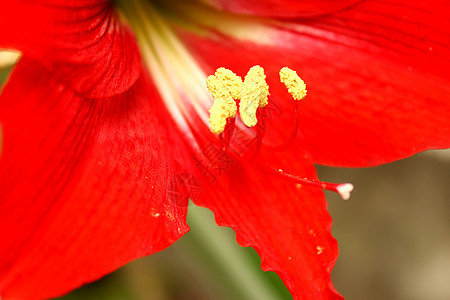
[[344, 190]]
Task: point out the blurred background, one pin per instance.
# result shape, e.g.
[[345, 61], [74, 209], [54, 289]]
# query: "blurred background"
[[393, 238]]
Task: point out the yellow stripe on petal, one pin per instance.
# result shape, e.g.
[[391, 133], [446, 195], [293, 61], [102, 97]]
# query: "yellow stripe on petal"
[[8, 58]]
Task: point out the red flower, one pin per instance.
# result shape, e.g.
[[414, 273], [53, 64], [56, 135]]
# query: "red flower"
[[93, 146]]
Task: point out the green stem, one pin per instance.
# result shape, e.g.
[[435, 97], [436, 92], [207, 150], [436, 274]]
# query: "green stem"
[[243, 278]]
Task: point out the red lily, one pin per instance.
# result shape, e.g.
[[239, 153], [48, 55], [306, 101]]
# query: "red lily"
[[91, 143]]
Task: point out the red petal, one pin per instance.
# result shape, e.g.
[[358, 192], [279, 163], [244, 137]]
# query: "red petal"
[[287, 224], [84, 183], [281, 8], [82, 42], [377, 83]]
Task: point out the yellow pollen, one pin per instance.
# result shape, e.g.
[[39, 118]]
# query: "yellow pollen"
[[223, 107], [231, 81], [294, 84], [253, 95], [226, 87]]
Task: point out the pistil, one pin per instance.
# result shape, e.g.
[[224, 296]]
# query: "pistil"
[[343, 189]]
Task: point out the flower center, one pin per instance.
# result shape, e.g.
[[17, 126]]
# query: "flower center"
[[180, 82], [226, 87]]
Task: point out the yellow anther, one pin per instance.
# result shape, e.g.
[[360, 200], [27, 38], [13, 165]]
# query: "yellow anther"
[[294, 84], [223, 107], [218, 117], [231, 81], [253, 95], [220, 93]]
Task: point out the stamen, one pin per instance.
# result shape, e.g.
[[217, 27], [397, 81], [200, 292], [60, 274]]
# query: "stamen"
[[343, 189], [254, 94], [223, 107], [225, 86], [231, 81], [292, 135], [295, 85]]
